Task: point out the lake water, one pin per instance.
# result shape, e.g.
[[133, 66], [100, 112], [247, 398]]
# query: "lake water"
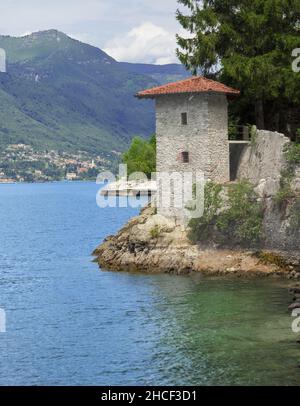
[[69, 323]]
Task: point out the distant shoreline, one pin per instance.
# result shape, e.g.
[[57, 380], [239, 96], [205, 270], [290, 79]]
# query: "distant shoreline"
[[49, 181]]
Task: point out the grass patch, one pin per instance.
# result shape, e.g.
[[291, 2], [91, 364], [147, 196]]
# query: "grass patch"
[[267, 258], [295, 217], [292, 156], [253, 136], [285, 192], [155, 232]]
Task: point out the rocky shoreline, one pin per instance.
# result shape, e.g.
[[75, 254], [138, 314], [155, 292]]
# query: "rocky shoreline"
[[151, 243], [154, 243]]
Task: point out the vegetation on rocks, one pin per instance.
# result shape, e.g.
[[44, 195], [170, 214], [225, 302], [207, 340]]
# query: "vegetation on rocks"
[[295, 217], [292, 156], [155, 232], [201, 229], [236, 220], [134, 249], [285, 192], [242, 221], [266, 257]]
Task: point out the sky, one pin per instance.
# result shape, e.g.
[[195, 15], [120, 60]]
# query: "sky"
[[128, 30]]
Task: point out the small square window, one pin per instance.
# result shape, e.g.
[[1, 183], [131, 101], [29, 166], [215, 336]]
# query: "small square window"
[[185, 157], [184, 119]]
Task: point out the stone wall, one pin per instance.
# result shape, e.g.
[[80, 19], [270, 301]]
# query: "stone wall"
[[262, 163], [235, 152], [263, 159], [174, 138], [218, 138], [205, 136]]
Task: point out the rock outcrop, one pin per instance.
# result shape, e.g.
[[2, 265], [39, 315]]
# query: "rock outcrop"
[[153, 243], [263, 160], [263, 163]]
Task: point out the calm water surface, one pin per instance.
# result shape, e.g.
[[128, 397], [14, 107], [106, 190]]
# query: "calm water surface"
[[68, 323]]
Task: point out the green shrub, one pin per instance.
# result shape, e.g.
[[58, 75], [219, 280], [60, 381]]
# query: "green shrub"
[[155, 232], [239, 223], [285, 192], [200, 227], [242, 221], [292, 156], [283, 195], [295, 217], [253, 135]]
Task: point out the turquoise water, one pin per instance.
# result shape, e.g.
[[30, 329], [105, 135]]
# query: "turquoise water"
[[68, 323]]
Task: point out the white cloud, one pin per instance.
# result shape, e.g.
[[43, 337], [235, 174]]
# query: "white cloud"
[[148, 43], [115, 25]]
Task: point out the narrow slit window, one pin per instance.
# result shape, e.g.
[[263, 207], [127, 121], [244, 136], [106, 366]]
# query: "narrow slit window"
[[185, 157], [184, 119]]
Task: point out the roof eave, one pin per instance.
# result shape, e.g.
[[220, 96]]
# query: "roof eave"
[[154, 96]]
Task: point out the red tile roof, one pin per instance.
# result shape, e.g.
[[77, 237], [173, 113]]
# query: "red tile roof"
[[196, 84]]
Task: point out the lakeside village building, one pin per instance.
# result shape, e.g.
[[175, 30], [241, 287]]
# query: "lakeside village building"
[[192, 136]]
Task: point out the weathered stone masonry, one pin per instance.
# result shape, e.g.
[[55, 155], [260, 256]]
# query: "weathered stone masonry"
[[192, 138], [205, 137]]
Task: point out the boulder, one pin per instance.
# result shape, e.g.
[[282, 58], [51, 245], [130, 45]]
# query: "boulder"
[[267, 187], [263, 158]]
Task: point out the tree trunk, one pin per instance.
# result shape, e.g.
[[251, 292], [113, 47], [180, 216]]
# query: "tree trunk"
[[259, 114]]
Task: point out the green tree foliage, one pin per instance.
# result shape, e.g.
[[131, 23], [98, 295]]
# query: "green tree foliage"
[[141, 156], [250, 43]]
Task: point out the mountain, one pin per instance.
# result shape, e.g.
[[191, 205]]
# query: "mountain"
[[59, 93], [160, 73]]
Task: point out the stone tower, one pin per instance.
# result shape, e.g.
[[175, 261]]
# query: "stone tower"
[[192, 127]]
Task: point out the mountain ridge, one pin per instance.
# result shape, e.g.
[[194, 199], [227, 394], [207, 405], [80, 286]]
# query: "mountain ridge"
[[60, 93]]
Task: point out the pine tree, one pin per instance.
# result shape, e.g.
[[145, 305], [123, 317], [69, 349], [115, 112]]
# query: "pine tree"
[[250, 44]]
